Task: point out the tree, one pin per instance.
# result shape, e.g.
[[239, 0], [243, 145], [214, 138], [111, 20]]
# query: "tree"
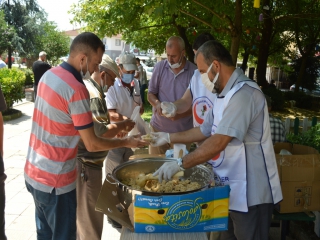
[[25, 17], [7, 34], [277, 17], [53, 42]]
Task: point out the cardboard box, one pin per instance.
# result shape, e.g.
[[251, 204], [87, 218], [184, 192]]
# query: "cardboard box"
[[201, 211], [300, 178]]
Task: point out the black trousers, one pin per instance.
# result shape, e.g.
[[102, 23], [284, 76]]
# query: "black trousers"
[[3, 177]]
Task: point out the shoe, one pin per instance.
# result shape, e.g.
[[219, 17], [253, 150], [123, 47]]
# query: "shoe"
[[114, 224]]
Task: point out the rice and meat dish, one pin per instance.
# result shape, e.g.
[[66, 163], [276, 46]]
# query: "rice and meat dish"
[[171, 186]]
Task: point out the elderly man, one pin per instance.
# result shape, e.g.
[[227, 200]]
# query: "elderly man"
[[89, 165], [39, 67], [277, 129], [197, 95], [121, 100], [237, 139], [61, 116], [170, 79]]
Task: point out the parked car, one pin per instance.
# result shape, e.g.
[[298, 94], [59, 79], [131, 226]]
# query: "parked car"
[[148, 70]]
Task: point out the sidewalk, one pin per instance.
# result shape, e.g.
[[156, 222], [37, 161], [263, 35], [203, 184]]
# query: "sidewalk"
[[20, 222]]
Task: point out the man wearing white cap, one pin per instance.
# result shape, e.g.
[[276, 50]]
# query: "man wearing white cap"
[[121, 100], [89, 165], [39, 67]]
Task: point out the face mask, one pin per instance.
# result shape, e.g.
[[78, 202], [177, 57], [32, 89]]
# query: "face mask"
[[206, 81], [127, 77], [104, 86], [87, 75], [175, 65]]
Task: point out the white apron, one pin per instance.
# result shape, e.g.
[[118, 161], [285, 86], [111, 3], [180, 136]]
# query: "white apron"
[[230, 165], [202, 99]]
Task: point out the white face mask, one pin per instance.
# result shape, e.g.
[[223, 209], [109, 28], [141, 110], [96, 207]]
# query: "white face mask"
[[206, 81], [103, 86], [87, 75], [175, 65]]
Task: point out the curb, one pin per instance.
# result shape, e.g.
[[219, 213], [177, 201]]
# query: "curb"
[[13, 116]]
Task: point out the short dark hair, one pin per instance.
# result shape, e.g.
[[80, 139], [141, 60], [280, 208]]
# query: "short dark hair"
[[138, 59], [86, 42], [201, 39], [214, 50]]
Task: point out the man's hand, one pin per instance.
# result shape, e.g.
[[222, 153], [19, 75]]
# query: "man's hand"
[[167, 170], [136, 142], [168, 109], [159, 138], [128, 125], [158, 108], [141, 109]]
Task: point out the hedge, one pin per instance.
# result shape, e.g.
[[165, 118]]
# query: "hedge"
[[12, 84]]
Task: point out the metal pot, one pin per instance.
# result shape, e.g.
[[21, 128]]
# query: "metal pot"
[[132, 169]]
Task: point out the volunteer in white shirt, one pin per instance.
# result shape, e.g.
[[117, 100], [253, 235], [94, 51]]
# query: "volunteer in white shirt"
[[121, 100], [238, 141]]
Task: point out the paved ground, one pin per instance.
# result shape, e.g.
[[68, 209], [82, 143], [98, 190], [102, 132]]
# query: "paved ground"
[[20, 223]]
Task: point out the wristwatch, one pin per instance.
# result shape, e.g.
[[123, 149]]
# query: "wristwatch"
[[180, 164]]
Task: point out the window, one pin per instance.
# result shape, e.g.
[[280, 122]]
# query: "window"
[[118, 42]]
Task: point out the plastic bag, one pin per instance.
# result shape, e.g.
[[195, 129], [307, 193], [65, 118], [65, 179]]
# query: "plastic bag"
[[141, 126]]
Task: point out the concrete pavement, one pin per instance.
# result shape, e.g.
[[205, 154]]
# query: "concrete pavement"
[[20, 222]]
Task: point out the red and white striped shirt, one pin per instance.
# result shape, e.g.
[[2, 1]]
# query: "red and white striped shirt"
[[61, 109]]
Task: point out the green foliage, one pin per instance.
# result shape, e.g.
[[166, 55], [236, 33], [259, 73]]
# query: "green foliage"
[[12, 85], [277, 98], [309, 138], [302, 100], [312, 72], [29, 76], [150, 62], [7, 33], [25, 16], [53, 42]]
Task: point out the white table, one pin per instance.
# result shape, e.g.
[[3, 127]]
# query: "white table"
[[126, 234]]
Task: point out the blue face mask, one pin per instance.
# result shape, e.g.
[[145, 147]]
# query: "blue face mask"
[[127, 77]]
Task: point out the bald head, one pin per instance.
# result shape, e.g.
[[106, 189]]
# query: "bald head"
[[175, 42]]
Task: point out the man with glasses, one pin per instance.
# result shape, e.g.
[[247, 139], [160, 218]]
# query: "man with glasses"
[[89, 164], [170, 79]]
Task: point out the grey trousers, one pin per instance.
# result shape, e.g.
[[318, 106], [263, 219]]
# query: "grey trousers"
[[117, 156], [89, 221], [253, 225]]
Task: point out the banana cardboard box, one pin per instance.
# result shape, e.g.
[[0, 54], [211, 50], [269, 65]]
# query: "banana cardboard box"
[[195, 212], [203, 211]]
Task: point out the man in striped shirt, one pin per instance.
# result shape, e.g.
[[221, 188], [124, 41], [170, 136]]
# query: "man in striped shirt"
[[61, 116]]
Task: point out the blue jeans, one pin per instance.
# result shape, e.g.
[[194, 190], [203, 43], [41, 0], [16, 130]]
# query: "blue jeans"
[[55, 214]]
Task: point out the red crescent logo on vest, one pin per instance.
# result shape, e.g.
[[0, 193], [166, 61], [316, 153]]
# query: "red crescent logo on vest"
[[196, 117], [217, 160], [216, 157]]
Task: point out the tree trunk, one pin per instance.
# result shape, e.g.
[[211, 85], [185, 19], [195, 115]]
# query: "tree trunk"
[[189, 50], [244, 65], [265, 42], [236, 32], [301, 72]]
